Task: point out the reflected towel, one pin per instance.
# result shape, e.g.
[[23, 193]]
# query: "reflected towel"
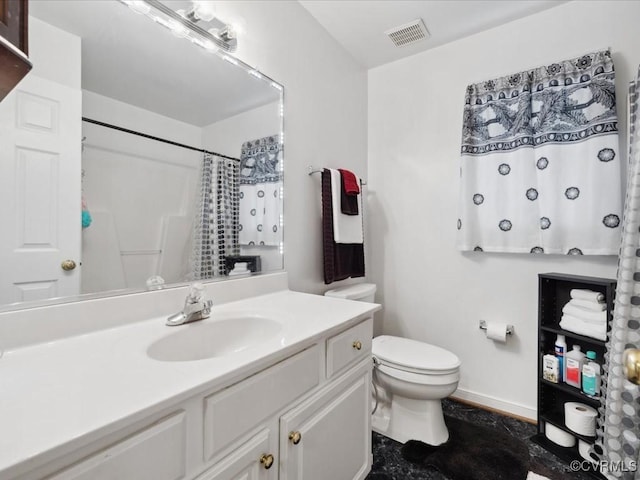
[[346, 228], [584, 313], [583, 294], [581, 327]]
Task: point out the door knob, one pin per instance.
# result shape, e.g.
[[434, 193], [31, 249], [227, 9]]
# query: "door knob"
[[631, 365], [357, 345], [266, 460], [68, 265], [295, 437]]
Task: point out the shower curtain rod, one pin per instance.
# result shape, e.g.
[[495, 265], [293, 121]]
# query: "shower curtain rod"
[[158, 139]]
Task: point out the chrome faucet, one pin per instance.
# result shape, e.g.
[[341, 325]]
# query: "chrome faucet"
[[195, 307]]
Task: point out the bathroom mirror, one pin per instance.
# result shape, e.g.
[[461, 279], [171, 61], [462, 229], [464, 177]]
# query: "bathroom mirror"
[[137, 157]]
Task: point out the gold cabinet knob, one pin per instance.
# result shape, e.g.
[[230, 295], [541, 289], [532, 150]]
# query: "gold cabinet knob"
[[357, 345], [295, 437], [266, 460], [68, 265], [631, 365]]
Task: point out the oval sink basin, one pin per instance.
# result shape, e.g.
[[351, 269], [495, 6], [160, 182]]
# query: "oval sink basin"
[[213, 338]]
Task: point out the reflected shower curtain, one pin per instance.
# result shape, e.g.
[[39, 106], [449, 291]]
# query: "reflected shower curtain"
[[215, 230], [619, 431], [260, 185], [540, 170]]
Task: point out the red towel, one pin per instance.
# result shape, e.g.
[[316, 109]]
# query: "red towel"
[[350, 182]]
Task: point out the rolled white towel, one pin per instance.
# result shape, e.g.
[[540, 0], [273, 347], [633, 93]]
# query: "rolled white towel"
[[585, 314], [589, 305], [587, 295], [581, 327]]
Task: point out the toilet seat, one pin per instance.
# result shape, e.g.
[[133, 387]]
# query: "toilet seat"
[[412, 356]]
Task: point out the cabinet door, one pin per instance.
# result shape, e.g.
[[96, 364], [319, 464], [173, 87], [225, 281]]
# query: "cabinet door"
[[156, 453], [248, 462], [332, 430]]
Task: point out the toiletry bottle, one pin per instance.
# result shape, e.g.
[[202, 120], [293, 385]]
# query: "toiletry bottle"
[[550, 370], [560, 349], [591, 372], [573, 366]]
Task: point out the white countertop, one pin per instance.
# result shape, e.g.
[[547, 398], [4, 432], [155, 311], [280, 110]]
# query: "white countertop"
[[57, 396]]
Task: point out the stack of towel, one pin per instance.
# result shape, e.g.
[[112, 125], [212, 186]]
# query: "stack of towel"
[[585, 314]]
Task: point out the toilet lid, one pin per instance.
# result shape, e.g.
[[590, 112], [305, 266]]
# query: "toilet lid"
[[413, 356]]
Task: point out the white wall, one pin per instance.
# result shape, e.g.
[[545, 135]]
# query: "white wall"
[[141, 194], [228, 135], [431, 291], [55, 54], [325, 117]]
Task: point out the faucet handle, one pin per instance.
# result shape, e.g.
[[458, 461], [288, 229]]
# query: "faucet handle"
[[195, 293]]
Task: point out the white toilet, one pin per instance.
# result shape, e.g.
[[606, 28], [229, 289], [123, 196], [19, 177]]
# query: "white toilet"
[[410, 380]]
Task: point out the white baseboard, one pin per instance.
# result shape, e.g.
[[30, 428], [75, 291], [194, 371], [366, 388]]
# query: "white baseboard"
[[496, 404]]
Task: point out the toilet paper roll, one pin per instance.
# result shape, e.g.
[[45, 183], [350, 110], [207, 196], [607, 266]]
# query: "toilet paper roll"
[[580, 418], [497, 331], [559, 436], [583, 450]]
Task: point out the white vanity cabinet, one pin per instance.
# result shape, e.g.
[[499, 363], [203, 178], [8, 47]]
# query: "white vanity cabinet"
[[306, 417], [326, 434]]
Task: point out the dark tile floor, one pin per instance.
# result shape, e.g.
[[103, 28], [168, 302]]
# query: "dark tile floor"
[[389, 464]]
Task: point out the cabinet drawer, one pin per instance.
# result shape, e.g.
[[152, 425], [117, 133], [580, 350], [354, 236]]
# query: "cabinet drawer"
[[156, 453], [235, 411], [342, 349]]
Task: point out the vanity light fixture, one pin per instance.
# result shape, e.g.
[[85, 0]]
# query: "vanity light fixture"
[[183, 24]]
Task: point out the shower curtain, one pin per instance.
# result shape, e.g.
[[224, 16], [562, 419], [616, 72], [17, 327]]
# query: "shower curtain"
[[619, 429], [215, 229], [540, 170]]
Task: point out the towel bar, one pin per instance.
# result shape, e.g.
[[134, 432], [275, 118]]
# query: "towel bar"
[[311, 170]]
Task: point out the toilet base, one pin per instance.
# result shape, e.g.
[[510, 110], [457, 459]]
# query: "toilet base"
[[409, 419]]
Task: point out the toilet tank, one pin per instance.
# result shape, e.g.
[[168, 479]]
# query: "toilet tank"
[[362, 292]]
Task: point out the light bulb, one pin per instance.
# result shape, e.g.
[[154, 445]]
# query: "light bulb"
[[204, 10], [238, 24], [178, 29], [139, 6]]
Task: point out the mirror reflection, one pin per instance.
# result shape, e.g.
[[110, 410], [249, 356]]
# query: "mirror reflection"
[[134, 158]]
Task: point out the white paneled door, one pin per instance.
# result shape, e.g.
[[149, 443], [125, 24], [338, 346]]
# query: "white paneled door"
[[40, 191]]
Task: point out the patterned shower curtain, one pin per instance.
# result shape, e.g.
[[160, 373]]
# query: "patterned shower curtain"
[[260, 186], [215, 230], [540, 170], [619, 429]]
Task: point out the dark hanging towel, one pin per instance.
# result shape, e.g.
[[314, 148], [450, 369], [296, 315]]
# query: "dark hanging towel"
[[341, 260]]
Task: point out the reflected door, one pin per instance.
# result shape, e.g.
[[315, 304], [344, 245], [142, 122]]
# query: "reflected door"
[[40, 191]]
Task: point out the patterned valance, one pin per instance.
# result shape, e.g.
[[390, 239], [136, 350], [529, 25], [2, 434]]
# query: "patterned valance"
[[563, 102]]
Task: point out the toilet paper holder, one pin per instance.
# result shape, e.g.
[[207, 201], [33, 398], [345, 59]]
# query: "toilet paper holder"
[[483, 326]]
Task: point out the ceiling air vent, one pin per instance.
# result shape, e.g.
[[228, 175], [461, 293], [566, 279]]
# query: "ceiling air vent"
[[408, 33]]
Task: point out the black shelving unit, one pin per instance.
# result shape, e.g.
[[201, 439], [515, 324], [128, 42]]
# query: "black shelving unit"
[[554, 293]]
